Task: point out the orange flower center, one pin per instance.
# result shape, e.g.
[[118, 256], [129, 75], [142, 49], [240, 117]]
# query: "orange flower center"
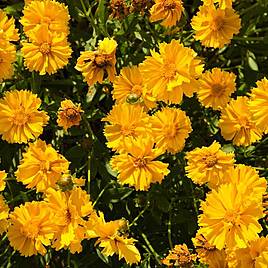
[[169, 70], [171, 130], [30, 230], [217, 23], [45, 48], [68, 216], [72, 114], [45, 166], [210, 160], [20, 117], [217, 89], [232, 217], [127, 130], [244, 122], [169, 5], [140, 162], [45, 20], [102, 60], [137, 89], [1, 60]]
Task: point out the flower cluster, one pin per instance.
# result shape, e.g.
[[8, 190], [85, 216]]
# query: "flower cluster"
[[45, 25]]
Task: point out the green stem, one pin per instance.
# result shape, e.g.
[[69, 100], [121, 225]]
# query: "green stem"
[[169, 231], [194, 200], [246, 10], [157, 257], [245, 38], [102, 192], [69, 259], [139, 215]]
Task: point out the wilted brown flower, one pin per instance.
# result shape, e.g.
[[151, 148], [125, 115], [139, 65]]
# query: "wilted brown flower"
[[141, 6], [119, 9]]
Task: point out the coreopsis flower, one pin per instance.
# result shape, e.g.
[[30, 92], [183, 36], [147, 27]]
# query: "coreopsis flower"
[[236, 123], [20, 118], [229, 217], [94, 65], [7, 58], [208, 253], [258, 104], [4, 213], [180, 256], [223, 4], [69, 114], [112, 237], [41, 166], [247, 180], [71, 209], [46, 52], [3, 176], [125, 121], [137, 166], [170, 129], [32, 227], [7, 28], [171, 72], [215, 88], [255, 255], [215, 27], [129, 87], [49, 13], [168, 11], [209, 165]]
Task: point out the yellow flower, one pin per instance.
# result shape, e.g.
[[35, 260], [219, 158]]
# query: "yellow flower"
[[223, 4], [20, 119], [169, 11], [41, 166], [215, 27], [94, 65], [229, 217], [179, 256], [258, 105], [170, 129], [113, 239], [247, 179], [209, 165], [208, 253], [7, 57], [215, 88], [4, 210], [32, 227], [69, 114], [138, 166], [3, 176], [236, 123], [8, 31], [129, 87], [49, 13], [254, 256], [126, 121], [46, 52], [71, 209], [171, 72]]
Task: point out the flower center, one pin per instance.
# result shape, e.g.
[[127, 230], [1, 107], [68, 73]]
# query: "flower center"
[[31, 230], [1, 60], [217, 23], [169, 5], [171, 130], [210, 160], [45, 166], [45, 48], [137, 89], [68, 216], [244, 122], [72, 114], [20, 117], [140, 162], [46, 20], [169, 70], [218, 89], [102, 60], [232, 217], [127, 131]]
